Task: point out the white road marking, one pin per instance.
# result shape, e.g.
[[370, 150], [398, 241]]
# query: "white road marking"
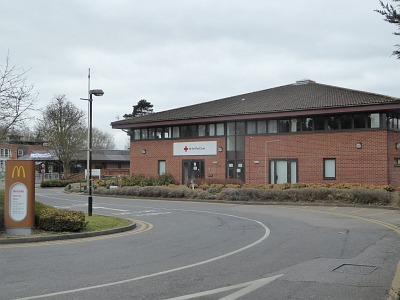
[[266, 234], [107, 208], [248, 287]]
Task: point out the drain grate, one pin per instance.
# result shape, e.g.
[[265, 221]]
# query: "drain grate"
[[355, 269]]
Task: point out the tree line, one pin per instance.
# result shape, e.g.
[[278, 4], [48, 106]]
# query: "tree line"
[[62, 126]]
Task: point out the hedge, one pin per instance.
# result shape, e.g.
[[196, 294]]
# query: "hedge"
[[52, 219], [56, 183], [327, 195]]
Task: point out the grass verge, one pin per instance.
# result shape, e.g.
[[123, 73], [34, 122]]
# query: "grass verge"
[[95, 222]]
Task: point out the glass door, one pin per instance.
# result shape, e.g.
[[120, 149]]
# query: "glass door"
[[192, 169], [283, 171], [235, 169]]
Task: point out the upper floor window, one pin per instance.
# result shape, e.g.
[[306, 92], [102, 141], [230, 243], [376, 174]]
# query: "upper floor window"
[[5, 152], [270, 126]]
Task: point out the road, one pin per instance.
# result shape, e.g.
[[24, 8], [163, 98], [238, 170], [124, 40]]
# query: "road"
[[189, 250]]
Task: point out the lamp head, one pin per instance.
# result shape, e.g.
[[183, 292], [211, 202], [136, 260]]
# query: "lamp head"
[[96, 92]]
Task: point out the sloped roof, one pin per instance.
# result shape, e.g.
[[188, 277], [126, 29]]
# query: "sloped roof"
[[300, 96], [81, 155]]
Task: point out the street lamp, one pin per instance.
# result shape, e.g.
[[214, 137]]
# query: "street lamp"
[[89, 162]]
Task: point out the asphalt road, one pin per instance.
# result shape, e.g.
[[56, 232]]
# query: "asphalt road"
[[187, 250]]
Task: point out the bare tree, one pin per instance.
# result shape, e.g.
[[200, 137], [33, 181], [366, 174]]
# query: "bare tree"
[[16, 98], [102, 140], [63, 128]]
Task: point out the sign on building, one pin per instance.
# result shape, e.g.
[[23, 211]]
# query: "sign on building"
[[195, 148]]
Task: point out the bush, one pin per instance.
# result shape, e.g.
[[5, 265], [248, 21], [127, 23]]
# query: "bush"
[[270, 193], [56, 183], [52, 219], [141, 180]]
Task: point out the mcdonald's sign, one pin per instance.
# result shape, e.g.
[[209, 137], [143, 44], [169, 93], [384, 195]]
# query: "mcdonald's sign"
[[19, 204], [19, 171]]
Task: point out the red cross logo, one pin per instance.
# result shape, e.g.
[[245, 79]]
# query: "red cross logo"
[[186, 148]]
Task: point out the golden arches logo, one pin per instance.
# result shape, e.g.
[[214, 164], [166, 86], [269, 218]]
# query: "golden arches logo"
[[20, 171]]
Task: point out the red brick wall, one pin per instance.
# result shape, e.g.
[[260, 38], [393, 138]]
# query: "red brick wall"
[[394, 137], [147, 164], [368, 165]]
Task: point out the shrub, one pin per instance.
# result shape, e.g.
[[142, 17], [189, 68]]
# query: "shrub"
[[270, 193], [141, 180], [56, 183], [52, 219]]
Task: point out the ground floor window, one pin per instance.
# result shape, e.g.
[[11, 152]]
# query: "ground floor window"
[[283, 171], [161, 167], [235, 169], [192, 169], [329, 168]]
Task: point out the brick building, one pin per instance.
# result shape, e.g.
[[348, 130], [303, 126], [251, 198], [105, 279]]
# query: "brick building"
[[301, 132]]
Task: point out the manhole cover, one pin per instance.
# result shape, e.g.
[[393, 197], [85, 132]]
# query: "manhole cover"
[[355, 269]]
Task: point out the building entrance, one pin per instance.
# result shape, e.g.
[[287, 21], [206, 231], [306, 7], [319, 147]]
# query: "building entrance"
[[192, 169], [236, 169], [283, 171]]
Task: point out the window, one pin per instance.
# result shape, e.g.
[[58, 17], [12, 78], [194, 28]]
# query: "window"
[[251, 127], [152, 133], [159, 133], [167, 132], [333, 123], [240, 128], [136, 134], [283, 125], [293, 127], [397, 161], [193, 131], [185, 131], [373, 121], [145, 134], [272, 126], [230, 143], [220, 129], [161, 167], [283, 171], [20, 152], [346, 122], [261, 127], [175, 132], [359, 121], [319, 123], [306, 124], [329, 168], [211, 129], [5, 152], [192, 169], [230, 128], [202, 130]]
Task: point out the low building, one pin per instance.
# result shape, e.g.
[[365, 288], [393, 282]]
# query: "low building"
[[301, 132], [48, 166]]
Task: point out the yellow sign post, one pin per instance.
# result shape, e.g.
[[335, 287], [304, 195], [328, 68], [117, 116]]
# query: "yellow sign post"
[[19, 197]]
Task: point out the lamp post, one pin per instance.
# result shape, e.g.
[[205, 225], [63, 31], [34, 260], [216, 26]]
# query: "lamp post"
[[89, 163]]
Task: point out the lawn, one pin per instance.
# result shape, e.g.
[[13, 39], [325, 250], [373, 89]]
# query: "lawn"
[[95, 222]]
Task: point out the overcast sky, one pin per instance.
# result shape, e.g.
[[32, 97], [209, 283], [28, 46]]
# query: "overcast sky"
[[175, 53]]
